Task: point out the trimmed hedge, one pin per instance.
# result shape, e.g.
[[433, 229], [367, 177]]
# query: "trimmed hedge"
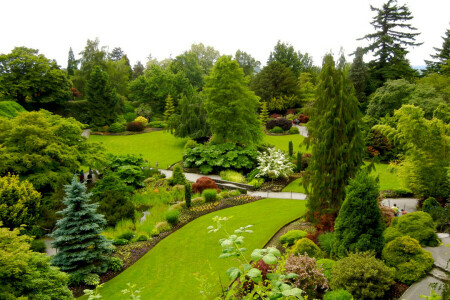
[[135, 126]]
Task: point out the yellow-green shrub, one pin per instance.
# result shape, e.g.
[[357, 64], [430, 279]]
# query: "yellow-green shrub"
[[306, 245], [141, 120]]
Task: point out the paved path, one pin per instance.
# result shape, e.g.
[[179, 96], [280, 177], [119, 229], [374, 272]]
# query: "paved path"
[[86, 133], [408, 204], [303, 130]]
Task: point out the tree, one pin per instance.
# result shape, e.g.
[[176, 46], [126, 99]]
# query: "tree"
[[25, 274], [32, 80], [359, 76], [103, 102], [144, 110], [264, 115], [206, 56], [138, 70], [359, 225], [119, 73], [81, 248], [116, 54], [188, 64], [389, 42], [247, 63], [335, 137], [231, 106], [441, 57], [169, 109], [389, 97], [307, 89], [72, 63], [296, 61], [19, 202]]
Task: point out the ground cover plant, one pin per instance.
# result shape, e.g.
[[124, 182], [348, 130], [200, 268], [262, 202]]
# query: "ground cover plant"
[[155, 271]]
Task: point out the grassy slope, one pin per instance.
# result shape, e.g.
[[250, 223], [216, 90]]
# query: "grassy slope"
[[157, 146], [166, 272], [282, 142]]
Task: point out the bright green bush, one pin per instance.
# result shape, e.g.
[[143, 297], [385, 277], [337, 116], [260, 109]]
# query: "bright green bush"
[[338, 295], [327, 265], [418, 225], [190, 144], [292, 236], [142, 238], [306, 245], [210, 195], [294, 130], [10, 109], [115, 264], [157, 124], [120, 242], [326, 241], [410, 261], [129, 235], [361, 274], [233, 176], [91, 279], [431, 206], [172, 216], [116, 128], [38, 246], [177, 176], [257, 182], [276, 129]]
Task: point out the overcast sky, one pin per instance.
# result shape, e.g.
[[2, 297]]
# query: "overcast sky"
[[168, 28]]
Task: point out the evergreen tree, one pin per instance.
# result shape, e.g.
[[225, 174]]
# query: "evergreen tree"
[[359, 76], [264, 115], [187, 194], [359, 226], [306, 88], [296, 61], [441, 57], [291, 149], [169, 108], [249, 65], [138, 70], [299, 161], [103, 101], [389, 42], [72, 63], [335, 137], [116, 54], [81, 248], [231, 105]]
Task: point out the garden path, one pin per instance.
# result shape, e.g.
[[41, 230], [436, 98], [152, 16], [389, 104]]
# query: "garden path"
[[408, 204], [86, 133], [303, 130]]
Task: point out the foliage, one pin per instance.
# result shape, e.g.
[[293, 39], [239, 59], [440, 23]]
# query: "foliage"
[[276, 129], [296, 61], [249, 65], [305, 245], [19, 202], [418, 225], [38, 246], [340, 294], [299, 164], [391, 96], [204, 183], [302, 118], [80, 246], [116, 127], [359, 225], [310, 275], [116, 206], [142, 238], [135, 126], [285, 124], [177, 176], [273, 164], [294, 130], [172, 216], [292, 236], [441, 56], [226, 86], [210, 195], [410, 261], [291, 149], [211, 157], [335, 137], [25, 274], [141, 120], [91, 279], [127, 235], [45, 149], [187, 194], [169, 109], [431, 206], [362, 275], [264, 114], [359, 75], [129, 168], [327, 266], [326, 240], [233, 176], [10, 109], [144, 110]]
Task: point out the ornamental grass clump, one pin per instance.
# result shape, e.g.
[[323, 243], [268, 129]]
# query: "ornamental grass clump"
[[274, 164], [210, 195], [233, 176]]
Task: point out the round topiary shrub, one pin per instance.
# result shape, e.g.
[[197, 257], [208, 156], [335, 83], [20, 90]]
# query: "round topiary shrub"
[[410, 261], [292, 236], [276, 129], [285, 124], [204, 183], [210, 195], [361, 274], [142, 238], [172, 216], [135, 126], [116, 128], [338, 295], [141, 120], [327, 265], [432, 207], [418, 225], [294, 130], [305, 245], [190, 144]]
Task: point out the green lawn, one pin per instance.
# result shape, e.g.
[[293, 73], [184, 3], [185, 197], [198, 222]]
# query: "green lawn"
[[388, 180], [295, 186], [282, 142], [166, 272], [157, 146]]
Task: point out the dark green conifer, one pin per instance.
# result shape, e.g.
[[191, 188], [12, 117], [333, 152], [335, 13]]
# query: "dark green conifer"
[[187, 194], [291, 149]]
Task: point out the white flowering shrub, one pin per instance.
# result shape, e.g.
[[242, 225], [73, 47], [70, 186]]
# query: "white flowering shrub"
[[273, 164]]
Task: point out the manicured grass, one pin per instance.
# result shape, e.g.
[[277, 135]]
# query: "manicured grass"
[[295, 186], [282, 142], [166, 271], [157, 146], [389, 179]]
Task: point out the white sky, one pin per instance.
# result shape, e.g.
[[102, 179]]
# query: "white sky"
[[169, 27]]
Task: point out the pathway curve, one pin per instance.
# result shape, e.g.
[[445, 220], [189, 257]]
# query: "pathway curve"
[[303, 130], [86, 133], [408, 204]]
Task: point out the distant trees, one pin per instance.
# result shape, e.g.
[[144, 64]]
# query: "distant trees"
[[441, 57], [296, 61], [247, 63]]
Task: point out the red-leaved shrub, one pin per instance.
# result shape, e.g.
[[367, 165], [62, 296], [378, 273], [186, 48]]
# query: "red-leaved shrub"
[[204, 183], [303, 118], [135, 126], [291, 111], [274, 116], [387, 214]]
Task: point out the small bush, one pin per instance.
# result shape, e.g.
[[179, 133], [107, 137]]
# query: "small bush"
[[177, 176], [115, 264], [257, 182], [190, 144], [157, 124], [172, 216], [162, 226], [303, 118], [141, 120], [210, 195], [135, 126], [91, 279], [233, 176], [387, 214], [325, 241], [154, 232], [198, 201], [305, 245], [126, 235], [276, 129], [204, 183], [361, 274], [290, 117], [143, 238], [292, 236], [432, 207], [120, 242], [327, 265], [410, 261], [75, 279], [116, 128], [274, 116], [338, 295], [283, 123], [294, 130], [234, 193], [130, 116], [38, 246]]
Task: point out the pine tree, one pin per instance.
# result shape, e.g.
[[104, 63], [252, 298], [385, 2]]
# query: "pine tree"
[[335, 137], [103, 101], [81, 248], [72, 63], [389, 42], [359, 76], [187, 194], [264, 115], [169, 109], [441, 57]]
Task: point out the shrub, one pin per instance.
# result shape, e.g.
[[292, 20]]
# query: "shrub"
[[276, 129], [116, 128], [274, 116], [305, 245], [210, 195], [38, 246], [129, 235], [187, 194], [204, 183], [130, 116], [10, 109], [327, 265], [292, 236], [290, 117], [410, 261], [294, 130], [387, 214], [359, 226], [283, 123], [338, 295], [172, 216], [291, 111], [135, 126], [257, 182], [303, 118], [198, 201], [115, 206], [418, 225], [115, 264], [311, 279], [143, 238], [141, 120], [233, 176], [177, 176], [299, 166], [91, 279], [75, 279], [157, 124], [326, 241], [274, 164], [190, 144], [120, 242], [432, 207], [234, 193], [361, 274], [162, 226]]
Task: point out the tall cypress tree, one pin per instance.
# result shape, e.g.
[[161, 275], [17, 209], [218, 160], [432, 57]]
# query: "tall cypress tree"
[[264, 114], [335, 137], [169, 109], [359, 76], [72, 63], [81, 248]]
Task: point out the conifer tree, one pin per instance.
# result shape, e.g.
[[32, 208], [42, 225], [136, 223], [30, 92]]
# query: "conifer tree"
[[335, 137], [264, 115], [72, 63], [187, 194], [291, 149], [169, 108], [299, 161], [81, 248], [359, 76], [442, 56]]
